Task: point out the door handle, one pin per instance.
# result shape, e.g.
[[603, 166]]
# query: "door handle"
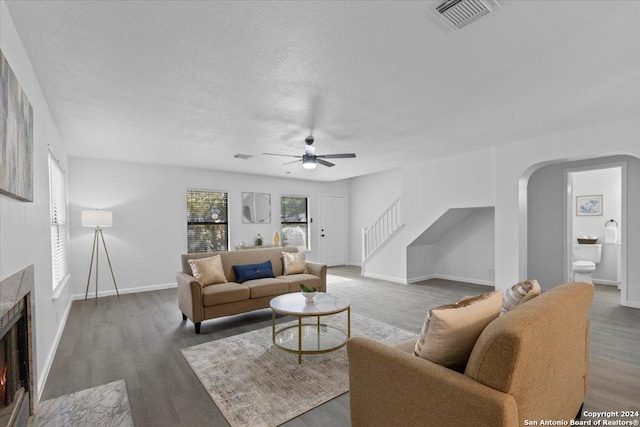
[[322, 235]]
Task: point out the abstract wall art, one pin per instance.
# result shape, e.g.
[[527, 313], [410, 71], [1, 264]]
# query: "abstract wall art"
[[16, 137], [589, 205]]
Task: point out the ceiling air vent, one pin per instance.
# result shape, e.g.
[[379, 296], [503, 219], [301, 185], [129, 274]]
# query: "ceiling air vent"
[[455, 14], [242, 156]]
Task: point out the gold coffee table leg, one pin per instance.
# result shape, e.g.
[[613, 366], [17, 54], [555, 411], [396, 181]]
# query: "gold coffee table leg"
[[299, 340], [273, 326]]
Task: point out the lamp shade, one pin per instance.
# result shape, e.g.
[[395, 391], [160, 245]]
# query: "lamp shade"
[[96, 218]]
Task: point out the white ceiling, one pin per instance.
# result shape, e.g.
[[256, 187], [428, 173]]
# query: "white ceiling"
[[193, 83]]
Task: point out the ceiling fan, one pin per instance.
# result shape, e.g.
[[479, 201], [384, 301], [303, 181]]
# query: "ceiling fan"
[[310, 160]]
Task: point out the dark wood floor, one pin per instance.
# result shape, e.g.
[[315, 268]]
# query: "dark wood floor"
[[139, 336]]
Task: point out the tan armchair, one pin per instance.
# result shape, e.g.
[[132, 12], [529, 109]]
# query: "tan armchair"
[[530, 364]]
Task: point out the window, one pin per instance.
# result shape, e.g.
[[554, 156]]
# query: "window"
[[294, 211], [207, 226], [58, 211]]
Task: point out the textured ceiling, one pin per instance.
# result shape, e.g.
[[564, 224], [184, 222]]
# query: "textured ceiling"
[[193, 83]]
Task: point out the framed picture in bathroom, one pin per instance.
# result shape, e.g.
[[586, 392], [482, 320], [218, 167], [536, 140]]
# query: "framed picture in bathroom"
[[589, 205]]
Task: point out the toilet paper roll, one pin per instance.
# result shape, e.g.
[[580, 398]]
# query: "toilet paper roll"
[[610, 235]]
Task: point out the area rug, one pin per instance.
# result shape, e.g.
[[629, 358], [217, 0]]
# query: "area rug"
[[106, 406], [255, 384]]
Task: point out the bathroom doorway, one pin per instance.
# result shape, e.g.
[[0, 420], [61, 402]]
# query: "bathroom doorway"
[[596, 209], [549, 209]]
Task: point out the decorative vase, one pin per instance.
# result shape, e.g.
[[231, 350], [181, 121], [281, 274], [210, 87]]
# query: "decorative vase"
[[276, 239], [258, 240], [309, 296]]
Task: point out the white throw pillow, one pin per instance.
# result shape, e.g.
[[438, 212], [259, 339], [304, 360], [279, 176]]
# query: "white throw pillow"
[[518, 294]]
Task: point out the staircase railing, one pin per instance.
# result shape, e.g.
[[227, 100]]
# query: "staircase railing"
[[382, 229]]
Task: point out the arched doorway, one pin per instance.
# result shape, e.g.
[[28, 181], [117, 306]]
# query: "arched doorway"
[[546, 211]]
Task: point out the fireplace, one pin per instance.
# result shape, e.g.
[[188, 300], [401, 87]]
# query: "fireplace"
[[14, 367], [16, 380]]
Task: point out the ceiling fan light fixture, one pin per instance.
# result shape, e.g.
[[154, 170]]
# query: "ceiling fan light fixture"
[[308, 162]]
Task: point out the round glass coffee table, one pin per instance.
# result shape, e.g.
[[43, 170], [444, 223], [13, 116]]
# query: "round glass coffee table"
[[310, 338]]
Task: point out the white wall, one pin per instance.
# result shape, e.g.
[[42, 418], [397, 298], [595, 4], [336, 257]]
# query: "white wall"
[[546, 225], [466, 253], [371, 195], [421, 262], [149, 216], [25, 228], [429, 189], [608, 183], [458, 246]]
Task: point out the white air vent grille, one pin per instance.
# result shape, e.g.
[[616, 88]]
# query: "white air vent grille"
[[456, 14]]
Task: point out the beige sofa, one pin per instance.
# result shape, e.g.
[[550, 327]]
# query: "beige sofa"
[[530, 364], [198, 302]]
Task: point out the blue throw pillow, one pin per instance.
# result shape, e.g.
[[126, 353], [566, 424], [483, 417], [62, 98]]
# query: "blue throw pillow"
[[253, 271]]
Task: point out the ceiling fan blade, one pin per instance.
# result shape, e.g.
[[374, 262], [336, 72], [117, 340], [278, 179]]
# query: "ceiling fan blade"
[[288, 163], [282, 155], [325, 163], [338, 156]]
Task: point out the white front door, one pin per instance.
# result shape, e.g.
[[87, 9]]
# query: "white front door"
[[333, 214]]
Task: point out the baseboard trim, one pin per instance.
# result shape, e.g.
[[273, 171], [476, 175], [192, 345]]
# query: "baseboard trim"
[[126, 291], [354, 263], [432, 276], [605, 282], [421, 278], [632, 304], [455, 278], [42, 377], [466, 280], [383, 277]]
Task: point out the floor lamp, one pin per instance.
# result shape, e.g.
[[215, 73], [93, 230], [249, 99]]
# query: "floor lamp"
[[98, 220]]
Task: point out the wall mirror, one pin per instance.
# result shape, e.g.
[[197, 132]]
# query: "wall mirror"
[[256, 208]]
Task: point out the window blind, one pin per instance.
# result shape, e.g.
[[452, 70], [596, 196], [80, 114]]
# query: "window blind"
[[58, 210], [207, 225]]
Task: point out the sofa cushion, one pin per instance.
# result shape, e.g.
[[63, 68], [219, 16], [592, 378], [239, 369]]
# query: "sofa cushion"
[[519, 294], [295, 280], [224, 293], [450, 331], [253, 271], [208, 270], [266, 287], [294, 263]]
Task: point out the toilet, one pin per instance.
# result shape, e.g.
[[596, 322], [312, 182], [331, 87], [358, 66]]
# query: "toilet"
[[586, 257]]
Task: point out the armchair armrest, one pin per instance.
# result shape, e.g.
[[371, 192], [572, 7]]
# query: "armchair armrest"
[[320, 270], [390, 387], [190, 297]]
